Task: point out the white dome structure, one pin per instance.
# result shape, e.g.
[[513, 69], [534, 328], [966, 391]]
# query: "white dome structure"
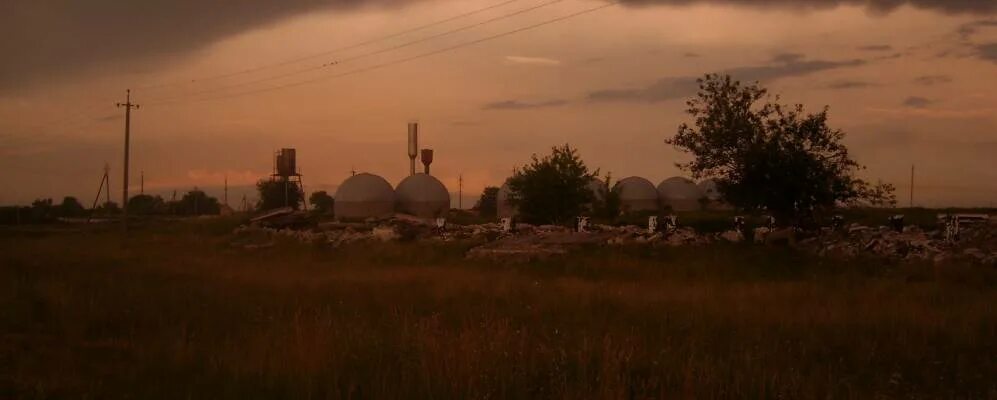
[[423, 196], [680, 194], [504, 209], [636, 194], [709, 189], [364, 196]]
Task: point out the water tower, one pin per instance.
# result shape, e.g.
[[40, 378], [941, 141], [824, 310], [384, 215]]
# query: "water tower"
[[285, 169]]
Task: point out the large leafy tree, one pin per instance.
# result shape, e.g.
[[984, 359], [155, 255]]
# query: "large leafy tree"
[[487, 204], [321, 202], [196, 202], [71, 207], [768, 156], [279, 193], [552, 189], [144, 204]]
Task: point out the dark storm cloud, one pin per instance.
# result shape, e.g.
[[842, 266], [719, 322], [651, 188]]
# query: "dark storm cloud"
[[42, 40], [876, 47], [851, 85], [931, 80], [786, 66], [917, 102], [877, 6], [521, 105], [969, 29], [987, 52]]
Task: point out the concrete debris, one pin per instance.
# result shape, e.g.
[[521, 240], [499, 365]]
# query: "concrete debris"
[[977, 243]]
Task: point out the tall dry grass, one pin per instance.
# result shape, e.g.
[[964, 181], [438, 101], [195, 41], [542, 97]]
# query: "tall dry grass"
[[180, 314]]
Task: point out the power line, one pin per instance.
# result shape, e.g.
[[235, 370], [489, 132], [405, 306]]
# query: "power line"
[[399, 61], [371, 53], [331, 51]]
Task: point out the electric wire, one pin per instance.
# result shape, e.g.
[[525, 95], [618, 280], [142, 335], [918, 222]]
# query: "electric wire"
[[328, 52], [395, 62], [368, 54]]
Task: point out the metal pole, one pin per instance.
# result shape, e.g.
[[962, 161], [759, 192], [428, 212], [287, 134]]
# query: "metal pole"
[[912, 186], [124, 183]]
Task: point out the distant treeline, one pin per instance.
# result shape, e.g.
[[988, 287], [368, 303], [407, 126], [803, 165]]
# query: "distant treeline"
[[194, 202]]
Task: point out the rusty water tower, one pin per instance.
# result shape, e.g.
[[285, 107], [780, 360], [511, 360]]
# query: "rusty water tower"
[[427, 158], [285, 169]]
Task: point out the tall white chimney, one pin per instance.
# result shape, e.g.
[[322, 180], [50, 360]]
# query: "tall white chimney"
[[413, 145]]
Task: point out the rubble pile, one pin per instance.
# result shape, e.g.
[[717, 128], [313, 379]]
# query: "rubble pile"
[[975, 243]]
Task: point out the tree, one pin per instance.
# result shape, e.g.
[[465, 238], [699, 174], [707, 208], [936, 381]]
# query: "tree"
[[71, 207], [552, 189], [768, 156], [42, 210], [607, 204], [107, 208], [196, 202], [321, 202], [278, 193], [144, 204], [487, 204]]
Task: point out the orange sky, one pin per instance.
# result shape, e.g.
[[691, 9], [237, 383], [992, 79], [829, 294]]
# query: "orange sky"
[[912, 85]]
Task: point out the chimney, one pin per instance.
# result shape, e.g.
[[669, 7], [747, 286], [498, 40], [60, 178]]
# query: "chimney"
[[413, 145], [427, 158]]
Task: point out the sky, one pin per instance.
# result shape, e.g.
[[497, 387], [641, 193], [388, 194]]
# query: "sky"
[[491, 82]]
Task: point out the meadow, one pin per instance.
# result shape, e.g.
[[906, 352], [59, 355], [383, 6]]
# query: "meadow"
[[177, 312]]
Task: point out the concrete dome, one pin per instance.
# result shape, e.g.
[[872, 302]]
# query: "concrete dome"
[[364, 196], [680, 194], [504, 208], [636, 194], [423, 196], [709, 189]]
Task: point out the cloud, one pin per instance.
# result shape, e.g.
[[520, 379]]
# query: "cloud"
[[875, 6], [691, 55], [931, 80], [969, 29], [41, 40], [876, 47], [917, 102], [851, 85], [987, 52], [787, 58], [520, 105], [787, 65], [539, 61]]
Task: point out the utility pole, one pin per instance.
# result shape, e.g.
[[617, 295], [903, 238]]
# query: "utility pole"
[[226, 190], [460, 192], [912, 186], [141, 187], [124, 183]]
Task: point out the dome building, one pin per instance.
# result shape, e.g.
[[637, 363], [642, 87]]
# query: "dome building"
[[709, 189], [636, 194], [423, 196], [504, 209], [364, 196], [680, 194]]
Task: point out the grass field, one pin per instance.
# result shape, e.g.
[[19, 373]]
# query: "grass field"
[[178, 313]]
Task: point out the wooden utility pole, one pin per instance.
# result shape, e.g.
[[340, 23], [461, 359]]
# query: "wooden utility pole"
[[460, 192], [912, 186], [124, 183]]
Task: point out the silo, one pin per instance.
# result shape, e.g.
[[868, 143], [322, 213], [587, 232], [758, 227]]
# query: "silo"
[[504, 209], [364, 196], [680, 194], [637, 194], [709, 189], [423, 196]]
